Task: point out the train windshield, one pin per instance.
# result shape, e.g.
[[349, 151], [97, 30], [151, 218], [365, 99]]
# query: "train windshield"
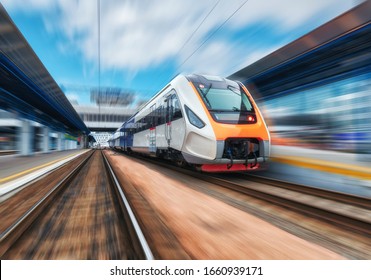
[[230, 99], [228, 104]]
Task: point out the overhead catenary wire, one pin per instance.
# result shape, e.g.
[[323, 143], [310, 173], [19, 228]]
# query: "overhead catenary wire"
[[208, 38], [197, 28], [211, 35], [98, 15]]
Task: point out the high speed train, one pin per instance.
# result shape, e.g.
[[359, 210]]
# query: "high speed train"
[[208, 122]]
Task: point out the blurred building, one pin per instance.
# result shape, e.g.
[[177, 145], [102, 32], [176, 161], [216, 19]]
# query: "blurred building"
[[35, 114], [40, 138], [316, 91], [111, 109]]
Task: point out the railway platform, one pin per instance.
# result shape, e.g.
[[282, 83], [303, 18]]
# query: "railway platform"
[[17, 170], [216, 222], [338, 171], [342, 172]]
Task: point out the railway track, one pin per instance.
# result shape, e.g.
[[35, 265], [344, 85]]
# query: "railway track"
[[343, 210], [340, 210], [349, 199], [349, 243], [85, 215]]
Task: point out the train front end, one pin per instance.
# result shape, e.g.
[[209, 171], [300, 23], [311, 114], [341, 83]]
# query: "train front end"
[[239, 139]]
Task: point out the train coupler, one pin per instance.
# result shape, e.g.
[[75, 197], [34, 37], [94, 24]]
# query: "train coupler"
[[256, 160], [229, 165]]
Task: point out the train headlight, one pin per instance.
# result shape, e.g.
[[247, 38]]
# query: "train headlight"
[[250, 118], [193, 118]]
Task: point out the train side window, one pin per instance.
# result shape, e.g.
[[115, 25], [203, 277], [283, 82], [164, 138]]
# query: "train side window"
[[159, 116], [152, 118], [168, 112], [176, 111], [147, 122]]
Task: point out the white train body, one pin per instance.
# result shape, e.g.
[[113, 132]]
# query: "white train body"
[[180, 123]]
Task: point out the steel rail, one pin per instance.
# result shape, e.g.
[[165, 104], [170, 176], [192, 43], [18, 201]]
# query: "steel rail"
[[126, 208], [9, 236], [351, 199], [349, 220]]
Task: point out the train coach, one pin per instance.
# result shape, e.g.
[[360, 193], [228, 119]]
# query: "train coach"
[[208, 122]]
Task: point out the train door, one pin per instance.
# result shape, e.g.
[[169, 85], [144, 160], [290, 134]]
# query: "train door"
[[124, 135], [174, 127], [168, 114], [152, 130]]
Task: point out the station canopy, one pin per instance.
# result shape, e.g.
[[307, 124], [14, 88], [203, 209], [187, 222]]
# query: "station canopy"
[[338, 49], [26, 86], [112, 96]]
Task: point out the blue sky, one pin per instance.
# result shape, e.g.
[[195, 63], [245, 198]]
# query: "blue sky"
[[144, 43]]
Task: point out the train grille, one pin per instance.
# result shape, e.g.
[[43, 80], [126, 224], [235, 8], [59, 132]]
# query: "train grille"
[[241, 148]]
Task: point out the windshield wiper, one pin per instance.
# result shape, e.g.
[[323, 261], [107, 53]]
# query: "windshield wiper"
[[234, 90], [204, 95], [224, 110], [207, 90], [233, 110]]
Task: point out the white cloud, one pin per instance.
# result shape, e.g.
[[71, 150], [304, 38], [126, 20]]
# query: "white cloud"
[[30, 5], [140, 34], [73, 98]]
